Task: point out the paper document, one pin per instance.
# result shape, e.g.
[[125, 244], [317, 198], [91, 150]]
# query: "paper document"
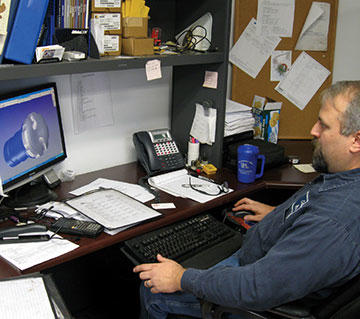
[[305, 168], [25, 298], [153, 70], [303, 80], [251, 51], [177, 184], [26, 255], [112, 209], [91, 99], [204, 124], [275, 17], [314, 34], [211, 80], [133, 190]]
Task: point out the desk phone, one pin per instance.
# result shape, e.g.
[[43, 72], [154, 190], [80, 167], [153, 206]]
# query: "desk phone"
[[157, 151]]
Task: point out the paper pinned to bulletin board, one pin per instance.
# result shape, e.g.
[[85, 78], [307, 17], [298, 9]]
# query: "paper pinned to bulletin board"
[[295, 121]]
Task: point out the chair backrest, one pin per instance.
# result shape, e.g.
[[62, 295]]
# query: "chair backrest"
[[342, 303]]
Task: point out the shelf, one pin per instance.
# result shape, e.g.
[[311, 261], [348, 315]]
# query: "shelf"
[[15, 72]]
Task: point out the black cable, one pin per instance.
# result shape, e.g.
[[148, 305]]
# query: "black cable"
[[191, 39], [143, 181]]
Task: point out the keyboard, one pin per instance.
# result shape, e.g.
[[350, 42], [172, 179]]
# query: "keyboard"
[[199, 242]]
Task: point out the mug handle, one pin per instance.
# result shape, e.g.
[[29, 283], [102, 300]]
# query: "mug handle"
[[262, 157]]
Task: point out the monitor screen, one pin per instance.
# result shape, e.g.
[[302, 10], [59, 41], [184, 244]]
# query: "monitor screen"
[[31, 139]]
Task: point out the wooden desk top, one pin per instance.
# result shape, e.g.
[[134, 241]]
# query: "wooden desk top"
[[282, 177]]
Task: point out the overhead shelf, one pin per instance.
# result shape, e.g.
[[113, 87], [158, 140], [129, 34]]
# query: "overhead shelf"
[[21, 71]]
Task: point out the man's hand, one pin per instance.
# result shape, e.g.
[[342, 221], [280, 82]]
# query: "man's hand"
[[164, 276], [260, 210]]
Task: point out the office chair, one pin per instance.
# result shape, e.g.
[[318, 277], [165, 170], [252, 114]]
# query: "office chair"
[[342, 304]]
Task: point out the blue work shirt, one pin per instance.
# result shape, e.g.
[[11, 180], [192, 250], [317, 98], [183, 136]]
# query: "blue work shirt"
[[306, 246]]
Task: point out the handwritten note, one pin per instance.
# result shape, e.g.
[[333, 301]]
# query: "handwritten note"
[[275, 17], [303, 80], [211, 80], [153, 70], [251, 51]]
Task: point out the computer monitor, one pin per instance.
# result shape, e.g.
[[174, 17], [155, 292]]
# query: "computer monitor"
[[31, 143]]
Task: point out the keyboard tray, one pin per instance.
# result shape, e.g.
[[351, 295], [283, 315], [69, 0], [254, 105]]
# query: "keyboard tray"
[[206, 242]]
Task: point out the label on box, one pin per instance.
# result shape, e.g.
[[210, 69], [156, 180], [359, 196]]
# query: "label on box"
[[111, 43], [110, 21], [134, 21], [107, 3]]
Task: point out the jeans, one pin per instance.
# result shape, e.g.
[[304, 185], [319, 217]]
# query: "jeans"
[[157, 306]]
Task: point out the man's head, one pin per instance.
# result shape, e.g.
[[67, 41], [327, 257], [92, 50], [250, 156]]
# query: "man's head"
[[337, 131]]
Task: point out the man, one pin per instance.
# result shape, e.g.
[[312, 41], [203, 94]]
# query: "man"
[[306, 246]]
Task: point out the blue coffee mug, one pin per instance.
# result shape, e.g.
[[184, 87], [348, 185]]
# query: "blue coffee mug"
[[248, 156]]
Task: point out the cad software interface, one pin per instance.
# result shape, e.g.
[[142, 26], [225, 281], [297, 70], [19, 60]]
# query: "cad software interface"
[[31, 135]]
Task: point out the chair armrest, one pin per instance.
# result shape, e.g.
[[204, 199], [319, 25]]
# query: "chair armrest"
[[290, 310], [293, 311]]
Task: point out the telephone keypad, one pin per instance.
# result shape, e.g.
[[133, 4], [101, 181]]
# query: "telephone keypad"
[[166, 148]]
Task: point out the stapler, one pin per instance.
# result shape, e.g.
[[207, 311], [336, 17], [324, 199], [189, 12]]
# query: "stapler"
[[25, 233]]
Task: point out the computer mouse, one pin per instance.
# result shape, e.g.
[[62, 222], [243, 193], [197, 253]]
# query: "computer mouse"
[[242, 213]]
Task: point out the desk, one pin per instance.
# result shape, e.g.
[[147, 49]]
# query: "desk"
[[284, 177]]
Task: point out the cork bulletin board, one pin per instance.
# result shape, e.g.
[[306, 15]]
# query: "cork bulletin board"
[[294, 123]]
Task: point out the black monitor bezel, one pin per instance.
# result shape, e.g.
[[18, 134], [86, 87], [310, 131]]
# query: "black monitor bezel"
[[29, 176]]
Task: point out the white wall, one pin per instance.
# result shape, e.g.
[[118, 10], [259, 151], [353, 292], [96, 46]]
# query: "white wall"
[[347, 48], [138, 104]]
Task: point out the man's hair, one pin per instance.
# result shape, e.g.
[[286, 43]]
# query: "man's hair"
[[350, 121]]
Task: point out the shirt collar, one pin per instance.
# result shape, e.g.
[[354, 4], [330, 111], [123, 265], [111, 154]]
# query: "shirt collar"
[[333, 180]]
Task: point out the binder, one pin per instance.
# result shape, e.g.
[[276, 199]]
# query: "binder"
[[25, 32], [13, 7]]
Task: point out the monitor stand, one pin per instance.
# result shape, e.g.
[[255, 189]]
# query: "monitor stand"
[[30, 195]]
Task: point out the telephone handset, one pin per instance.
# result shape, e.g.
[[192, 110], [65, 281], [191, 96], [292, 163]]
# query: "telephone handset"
[[157, 151]]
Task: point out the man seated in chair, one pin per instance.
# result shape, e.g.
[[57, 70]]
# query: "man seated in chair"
[[307, 246]]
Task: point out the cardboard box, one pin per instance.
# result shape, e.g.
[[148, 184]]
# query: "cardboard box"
[[106, 5], [137, 46], [135, 27], [267, 122], [112, 44], [110, 21]]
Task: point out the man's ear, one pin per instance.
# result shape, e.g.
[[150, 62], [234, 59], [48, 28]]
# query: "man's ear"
[[355, 147]]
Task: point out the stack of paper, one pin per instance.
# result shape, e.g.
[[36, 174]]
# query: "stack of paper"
[[238, 118], [133, 190]]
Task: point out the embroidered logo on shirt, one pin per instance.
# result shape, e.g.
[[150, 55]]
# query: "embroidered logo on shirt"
[[300, 202]]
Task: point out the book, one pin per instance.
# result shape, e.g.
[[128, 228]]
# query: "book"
[[25, 31], [11, 17]]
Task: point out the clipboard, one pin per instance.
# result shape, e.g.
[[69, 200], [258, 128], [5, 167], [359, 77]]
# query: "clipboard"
[[39, 285], [112, 208]]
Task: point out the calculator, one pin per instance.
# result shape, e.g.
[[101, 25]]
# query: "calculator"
[[77, 227]]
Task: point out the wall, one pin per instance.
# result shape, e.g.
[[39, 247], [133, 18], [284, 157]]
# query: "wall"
[[347, 61], [138, 104]]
